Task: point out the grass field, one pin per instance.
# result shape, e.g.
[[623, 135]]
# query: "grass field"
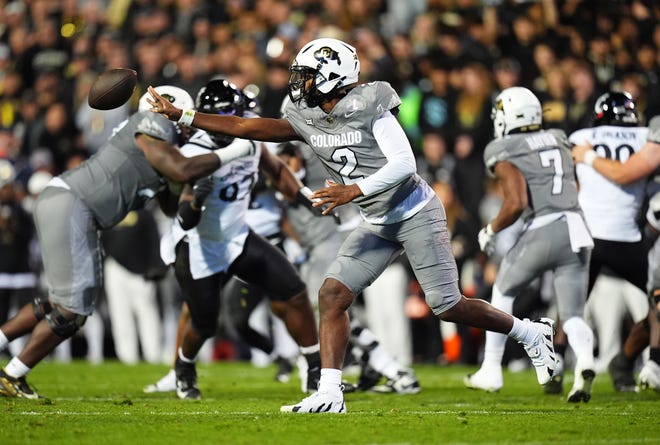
[[104, 404]]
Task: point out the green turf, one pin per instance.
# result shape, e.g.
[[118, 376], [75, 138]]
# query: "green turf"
[[104, 404]]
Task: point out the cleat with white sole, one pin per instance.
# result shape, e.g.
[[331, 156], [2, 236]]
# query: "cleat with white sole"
[[318, 403]]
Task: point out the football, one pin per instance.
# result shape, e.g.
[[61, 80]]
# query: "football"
[[112, 88]]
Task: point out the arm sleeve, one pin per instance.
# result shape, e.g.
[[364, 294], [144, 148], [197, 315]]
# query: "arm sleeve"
[[394, 144]]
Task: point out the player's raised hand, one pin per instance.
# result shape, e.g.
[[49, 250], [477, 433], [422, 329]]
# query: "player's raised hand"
[[163, 106]]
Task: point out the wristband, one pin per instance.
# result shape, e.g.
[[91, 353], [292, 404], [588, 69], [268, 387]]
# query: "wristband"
[[589, 158], [187, 117], [489, 229]]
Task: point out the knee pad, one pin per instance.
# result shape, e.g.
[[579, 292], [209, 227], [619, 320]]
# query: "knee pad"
[[41, 307], [63, 326]]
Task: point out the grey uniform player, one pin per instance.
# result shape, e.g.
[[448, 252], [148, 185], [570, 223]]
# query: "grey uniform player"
[[321, 237], [136, 164], [353, 130], [641, 164], [536, 172]]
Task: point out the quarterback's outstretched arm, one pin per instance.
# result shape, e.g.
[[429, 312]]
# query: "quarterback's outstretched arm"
[[258, 128]]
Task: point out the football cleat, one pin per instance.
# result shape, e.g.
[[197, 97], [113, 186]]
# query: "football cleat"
[[622, 372], [582, 383], [16, 387], [369, 377], [541, 350], [166, 384], [186, 381], [284, 370], [649, 376], [311, 383], [556, 384], [318, 403], [404, 383], [489, 380]]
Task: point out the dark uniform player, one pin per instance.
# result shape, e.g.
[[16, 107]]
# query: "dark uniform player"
[[210, 244], [612, 210], [641, 164]]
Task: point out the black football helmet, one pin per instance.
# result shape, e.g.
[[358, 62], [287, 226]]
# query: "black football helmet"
[[615, 108], [220, 96]]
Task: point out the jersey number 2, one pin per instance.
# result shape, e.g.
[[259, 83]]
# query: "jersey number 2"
[[346, 158]]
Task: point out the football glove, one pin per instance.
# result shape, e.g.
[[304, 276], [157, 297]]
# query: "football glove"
[[487, 240], [201, 190], [304, 197]]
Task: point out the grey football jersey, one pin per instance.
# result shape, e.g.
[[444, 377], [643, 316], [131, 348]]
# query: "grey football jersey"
[[345, 144], [118, 178], [654, 130], [544, 159]]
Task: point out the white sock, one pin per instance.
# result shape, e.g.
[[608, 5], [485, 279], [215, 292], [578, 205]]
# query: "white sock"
[[330, 381], [4, 341], [382, 362], [16, 368], [523, 331], [366, 338], [310, 349], [183, 358], [495, 342], [581, 340]]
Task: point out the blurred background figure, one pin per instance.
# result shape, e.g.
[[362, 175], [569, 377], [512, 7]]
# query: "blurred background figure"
[[131, 269], [18, 280]]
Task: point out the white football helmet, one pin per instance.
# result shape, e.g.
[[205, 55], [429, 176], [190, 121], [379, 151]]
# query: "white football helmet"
[[177, 96], [515, 108], [331, 64]]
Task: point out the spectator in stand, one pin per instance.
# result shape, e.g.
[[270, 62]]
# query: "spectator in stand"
[[583, 94], [472, 131], [18, 281], [438, 101]]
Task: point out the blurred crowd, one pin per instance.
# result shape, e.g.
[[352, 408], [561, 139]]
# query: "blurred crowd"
[[447, 59]]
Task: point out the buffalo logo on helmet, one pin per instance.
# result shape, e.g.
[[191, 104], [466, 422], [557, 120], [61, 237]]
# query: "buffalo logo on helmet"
[[326, 54]]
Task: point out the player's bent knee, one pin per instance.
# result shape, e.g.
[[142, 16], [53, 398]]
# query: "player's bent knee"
[[66, 324], [334, 294], [41, 307], [205, 328]]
